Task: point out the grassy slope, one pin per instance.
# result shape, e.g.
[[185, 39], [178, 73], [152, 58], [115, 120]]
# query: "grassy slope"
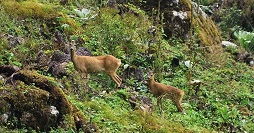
[[224, 101]]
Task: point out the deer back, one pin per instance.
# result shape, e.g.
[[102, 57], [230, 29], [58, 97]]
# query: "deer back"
[[159, 89], [109, 63]]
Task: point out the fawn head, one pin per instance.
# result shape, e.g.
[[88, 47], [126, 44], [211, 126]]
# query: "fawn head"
[[150, 74]]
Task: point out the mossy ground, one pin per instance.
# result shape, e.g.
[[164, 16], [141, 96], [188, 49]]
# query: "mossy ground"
[[223, 103]]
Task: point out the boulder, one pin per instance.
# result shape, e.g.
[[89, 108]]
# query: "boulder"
[[35, 101]]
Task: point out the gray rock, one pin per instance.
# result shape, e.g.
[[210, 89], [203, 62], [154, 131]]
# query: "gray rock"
[[228, 44]]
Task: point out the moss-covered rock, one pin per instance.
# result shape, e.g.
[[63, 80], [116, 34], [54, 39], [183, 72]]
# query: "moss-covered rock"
[[26, 9], [35, 101], [49, 13]]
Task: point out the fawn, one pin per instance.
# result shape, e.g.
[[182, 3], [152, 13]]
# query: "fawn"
[[160, 90]]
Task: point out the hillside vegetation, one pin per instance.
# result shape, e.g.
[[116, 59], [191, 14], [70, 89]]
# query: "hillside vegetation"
[[32, 31]]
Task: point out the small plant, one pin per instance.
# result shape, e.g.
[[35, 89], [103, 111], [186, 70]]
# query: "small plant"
[[8, 58]]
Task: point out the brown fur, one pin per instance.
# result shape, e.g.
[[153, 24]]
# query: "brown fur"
[[95, 64], [161, 90]]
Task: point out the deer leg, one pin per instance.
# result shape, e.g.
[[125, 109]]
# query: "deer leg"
[[114, 77], [84, 76], [159, 103], [179, 107], [119, 79]]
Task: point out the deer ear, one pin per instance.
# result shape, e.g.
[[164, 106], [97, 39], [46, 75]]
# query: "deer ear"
[[73, 44], [148, 69], [151, 72]]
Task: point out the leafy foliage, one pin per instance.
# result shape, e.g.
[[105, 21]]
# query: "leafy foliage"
[[123, 36], [230, 18], [246, 39]]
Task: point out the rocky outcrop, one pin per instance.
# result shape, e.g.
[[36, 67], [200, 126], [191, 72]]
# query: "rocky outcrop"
[[57, 62], [183, 19], [13, 40]]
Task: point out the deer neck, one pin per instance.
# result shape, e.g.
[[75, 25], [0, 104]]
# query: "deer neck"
[[73, 56], [154, 87], [151, 81]]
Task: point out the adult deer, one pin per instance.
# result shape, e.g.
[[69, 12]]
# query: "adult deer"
[[96, 64]]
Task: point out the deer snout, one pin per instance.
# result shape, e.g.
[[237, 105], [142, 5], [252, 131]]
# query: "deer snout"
[[71, 48]]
